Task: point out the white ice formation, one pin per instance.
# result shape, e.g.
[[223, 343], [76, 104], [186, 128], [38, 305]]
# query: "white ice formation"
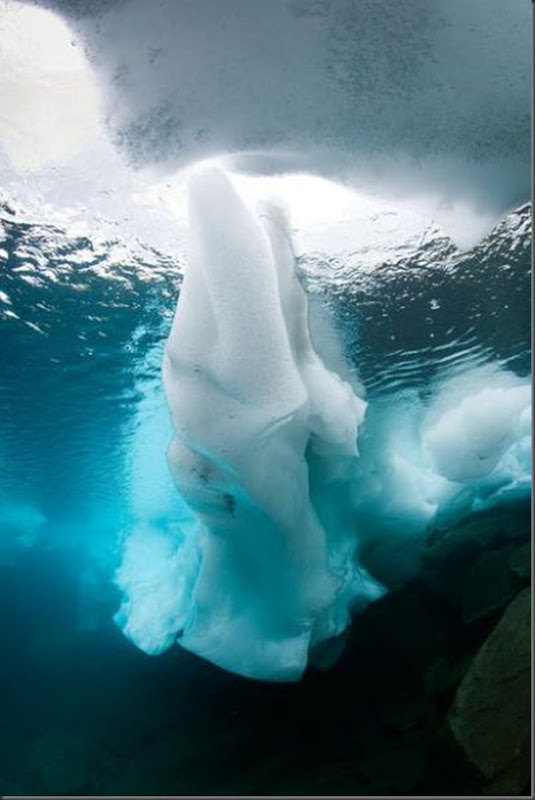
[[291, 526], [264, 437]]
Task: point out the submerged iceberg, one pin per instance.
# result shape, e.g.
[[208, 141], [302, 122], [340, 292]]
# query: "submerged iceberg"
[[264, 437], [304, 504]]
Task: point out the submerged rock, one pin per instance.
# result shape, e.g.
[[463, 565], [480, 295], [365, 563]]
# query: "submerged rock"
[[395, 767], [469, 536], [445, 675], [490, 717], [489, 585], [408, 713], [520, 560], [477, 564], [63, 763]]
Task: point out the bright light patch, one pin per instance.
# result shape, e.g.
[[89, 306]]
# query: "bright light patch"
[[326, 216], [48, 98]]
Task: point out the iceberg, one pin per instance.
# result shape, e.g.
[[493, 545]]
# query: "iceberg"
[[300, 502], [265, 437], [264, 433], [465, 449], [468, 440]]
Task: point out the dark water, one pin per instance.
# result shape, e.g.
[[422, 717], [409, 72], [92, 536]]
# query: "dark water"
[[82, 331]]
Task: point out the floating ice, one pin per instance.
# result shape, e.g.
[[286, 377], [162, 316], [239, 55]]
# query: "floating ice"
[[477, 434], [465, 449], [293, 527], [157, 573], [265, 434], [468, 439]]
